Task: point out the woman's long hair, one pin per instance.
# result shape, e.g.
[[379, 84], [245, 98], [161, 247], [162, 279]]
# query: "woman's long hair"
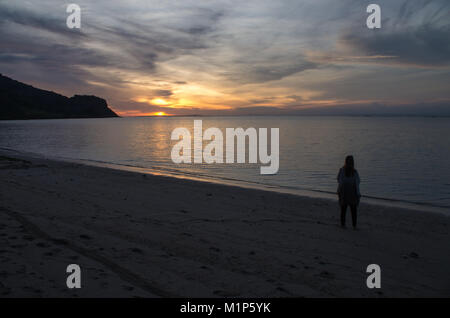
[[349, 166]]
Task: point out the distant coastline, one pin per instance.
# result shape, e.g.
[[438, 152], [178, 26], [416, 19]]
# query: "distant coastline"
[[22, 101], [297, 115]]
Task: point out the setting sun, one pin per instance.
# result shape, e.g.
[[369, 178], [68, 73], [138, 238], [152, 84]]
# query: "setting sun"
[[159, 114]]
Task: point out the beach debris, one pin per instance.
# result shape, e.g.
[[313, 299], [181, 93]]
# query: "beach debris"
[[85, 237], [42, 244], [413, 255], [137, 250], [325, 274]]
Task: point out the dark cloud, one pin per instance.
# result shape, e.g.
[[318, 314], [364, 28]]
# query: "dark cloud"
[[204, 22], [49, 62], [259, 73], [402, 37], [163, 93], [423, 46], [35, 20]]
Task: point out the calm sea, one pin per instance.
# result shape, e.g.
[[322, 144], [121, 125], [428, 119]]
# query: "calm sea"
[[399, 159]]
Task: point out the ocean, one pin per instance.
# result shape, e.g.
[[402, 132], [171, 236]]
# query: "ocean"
[[399, 159]]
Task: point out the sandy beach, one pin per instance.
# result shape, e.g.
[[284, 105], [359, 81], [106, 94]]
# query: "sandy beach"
[[153, 236]]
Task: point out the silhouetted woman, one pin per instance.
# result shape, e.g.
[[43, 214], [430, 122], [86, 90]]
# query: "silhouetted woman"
[[348, 189]]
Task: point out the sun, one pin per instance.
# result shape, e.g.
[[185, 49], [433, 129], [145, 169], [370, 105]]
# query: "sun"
[[159, 114]]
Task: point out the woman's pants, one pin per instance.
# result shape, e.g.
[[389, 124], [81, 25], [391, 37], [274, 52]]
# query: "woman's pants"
[[353, 208]]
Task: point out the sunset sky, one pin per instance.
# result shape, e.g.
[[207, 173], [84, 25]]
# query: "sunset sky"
[[234, 57]]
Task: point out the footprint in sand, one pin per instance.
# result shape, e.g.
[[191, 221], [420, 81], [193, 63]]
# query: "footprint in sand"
[[325, 274], [223, 293], [283, 290], [137, 250], [28, 238]]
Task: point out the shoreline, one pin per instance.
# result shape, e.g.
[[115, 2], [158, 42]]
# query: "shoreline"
[[141, 235], [318, 194]]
